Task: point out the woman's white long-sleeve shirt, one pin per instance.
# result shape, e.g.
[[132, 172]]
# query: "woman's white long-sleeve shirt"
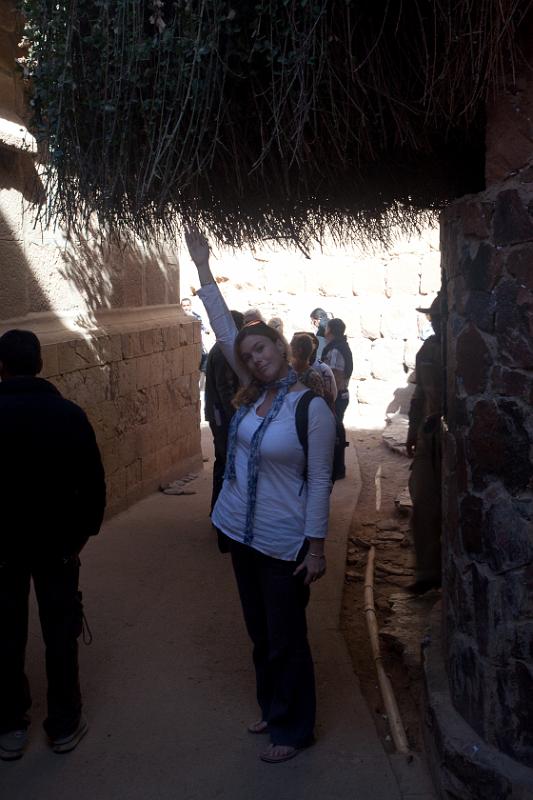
[[288, 508]]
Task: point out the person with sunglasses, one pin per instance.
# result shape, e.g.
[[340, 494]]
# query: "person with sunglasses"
[[273, 510]]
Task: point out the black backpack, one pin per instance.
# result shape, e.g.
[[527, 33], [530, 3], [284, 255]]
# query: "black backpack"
[[301, 418]]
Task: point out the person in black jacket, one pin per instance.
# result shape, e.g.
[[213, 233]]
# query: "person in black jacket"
[[338, 356], [319, 320], [53, 498]]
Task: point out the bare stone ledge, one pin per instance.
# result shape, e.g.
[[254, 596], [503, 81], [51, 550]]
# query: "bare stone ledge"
[[120, 502], [53, 328], [464, 767], [14, 135]]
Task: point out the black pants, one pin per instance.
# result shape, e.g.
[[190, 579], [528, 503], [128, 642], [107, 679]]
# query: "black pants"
[[220, 444], [274, 603], [60, 614], [341, 404], [425, 489]]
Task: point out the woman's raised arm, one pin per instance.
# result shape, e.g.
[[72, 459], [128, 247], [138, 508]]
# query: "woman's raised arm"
[[199, 252], [219, 315]]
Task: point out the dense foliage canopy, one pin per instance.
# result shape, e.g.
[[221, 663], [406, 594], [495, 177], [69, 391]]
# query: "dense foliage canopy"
[[265, 119]]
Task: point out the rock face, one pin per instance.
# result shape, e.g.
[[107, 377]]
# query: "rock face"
[[488, 485], [376, 295], [464, 765]]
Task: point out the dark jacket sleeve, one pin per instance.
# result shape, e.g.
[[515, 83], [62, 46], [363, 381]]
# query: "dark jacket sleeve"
[[225, 381], [417, 409], [416, 412], [90, 488]]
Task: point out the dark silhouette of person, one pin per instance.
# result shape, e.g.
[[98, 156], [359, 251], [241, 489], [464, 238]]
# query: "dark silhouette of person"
[[53, 493], [221, 385], [424, 447]]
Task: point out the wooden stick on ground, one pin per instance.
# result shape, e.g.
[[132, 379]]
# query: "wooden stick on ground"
[[377, 481], [391, 707]]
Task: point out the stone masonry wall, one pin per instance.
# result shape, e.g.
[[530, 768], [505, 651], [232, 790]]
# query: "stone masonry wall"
[[487, 247], [487, 252]]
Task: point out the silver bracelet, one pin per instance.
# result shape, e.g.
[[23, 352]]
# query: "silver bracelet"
[[316, 555]]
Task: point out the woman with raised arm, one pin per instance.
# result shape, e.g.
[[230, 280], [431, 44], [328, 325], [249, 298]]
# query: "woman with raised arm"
[[273, 509]]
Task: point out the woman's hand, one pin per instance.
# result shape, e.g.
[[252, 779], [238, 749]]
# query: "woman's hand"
[[314, 566], [198, 247]]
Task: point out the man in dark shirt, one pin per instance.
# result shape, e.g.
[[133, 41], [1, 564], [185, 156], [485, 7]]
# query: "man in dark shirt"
[[424, 447], [53, 499], [221, 384]]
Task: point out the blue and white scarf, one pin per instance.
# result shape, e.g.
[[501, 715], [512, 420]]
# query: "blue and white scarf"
[[254, 454]]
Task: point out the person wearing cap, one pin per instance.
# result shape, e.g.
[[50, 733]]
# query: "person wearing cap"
[[424, 447]]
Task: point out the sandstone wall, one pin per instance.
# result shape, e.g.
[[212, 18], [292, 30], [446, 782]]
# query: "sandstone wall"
[[114, 337], [376, 294], [136, 377]]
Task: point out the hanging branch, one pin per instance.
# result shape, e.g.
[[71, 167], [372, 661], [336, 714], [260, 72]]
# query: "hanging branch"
[[278, 118]]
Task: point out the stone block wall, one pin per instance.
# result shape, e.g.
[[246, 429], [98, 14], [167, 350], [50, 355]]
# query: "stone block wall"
[[140, 392], [488, 489], [376, 294]]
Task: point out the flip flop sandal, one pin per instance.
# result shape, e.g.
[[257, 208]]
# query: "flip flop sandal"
[[272, 759], [261, 726]]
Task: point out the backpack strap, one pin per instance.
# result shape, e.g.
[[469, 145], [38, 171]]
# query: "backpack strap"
[[301, 418]]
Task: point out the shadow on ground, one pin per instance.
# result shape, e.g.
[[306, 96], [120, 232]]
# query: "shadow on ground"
[[168, 683]]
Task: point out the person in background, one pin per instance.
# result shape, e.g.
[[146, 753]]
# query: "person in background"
[[253, 315], [424, 447], [302, 350], [338, 356], [221, 385], [53, 500], [319, 320], [274, 519], [186, 306], [277, 324], [326, 373]]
